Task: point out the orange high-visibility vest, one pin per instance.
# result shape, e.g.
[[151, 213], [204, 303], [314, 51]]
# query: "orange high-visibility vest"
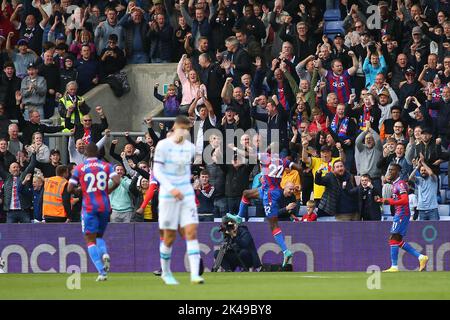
[[52, 205]]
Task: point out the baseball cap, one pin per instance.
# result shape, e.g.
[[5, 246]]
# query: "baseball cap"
[[32, 65], [60, 36], [416, 30], [22, 42], [69, 57], [410, 70], [427, 130], [384, 92], [339, 35], [55, 151], [230, 108]]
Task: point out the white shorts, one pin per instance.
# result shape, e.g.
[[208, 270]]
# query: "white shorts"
[[174, 213]]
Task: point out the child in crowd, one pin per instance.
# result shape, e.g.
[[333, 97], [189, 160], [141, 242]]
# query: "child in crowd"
[[171, 100], [310, 214]]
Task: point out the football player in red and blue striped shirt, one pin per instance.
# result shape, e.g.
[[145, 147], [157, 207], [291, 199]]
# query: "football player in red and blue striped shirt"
[[272, 168], [400, 222], [93, 176]]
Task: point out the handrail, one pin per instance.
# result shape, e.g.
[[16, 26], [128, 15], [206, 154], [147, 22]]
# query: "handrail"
[[113, 134], [44, 121]]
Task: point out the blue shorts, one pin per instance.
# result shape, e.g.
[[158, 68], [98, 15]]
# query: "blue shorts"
[[400, 226], [270, 200], [94, 222]]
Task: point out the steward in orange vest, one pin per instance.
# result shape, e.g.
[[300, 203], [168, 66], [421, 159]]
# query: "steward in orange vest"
[[56, 205]]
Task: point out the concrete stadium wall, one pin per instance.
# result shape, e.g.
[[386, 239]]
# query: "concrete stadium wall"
[[127, 112]]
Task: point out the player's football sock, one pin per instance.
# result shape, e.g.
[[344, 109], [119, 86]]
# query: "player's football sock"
[[243, 207], [95, 257], [101, 245], [394, 255], [407, 247], [193, 251], [165, 254], [279, 238]]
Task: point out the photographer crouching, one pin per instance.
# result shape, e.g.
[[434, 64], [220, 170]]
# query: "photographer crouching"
[[237, 249]]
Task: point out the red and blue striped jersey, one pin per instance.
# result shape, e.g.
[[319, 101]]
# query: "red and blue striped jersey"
[[93, 176], [272, 168], [339, 84], [400, 187]]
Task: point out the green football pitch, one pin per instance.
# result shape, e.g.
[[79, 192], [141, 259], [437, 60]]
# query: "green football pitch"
[[226, 286]]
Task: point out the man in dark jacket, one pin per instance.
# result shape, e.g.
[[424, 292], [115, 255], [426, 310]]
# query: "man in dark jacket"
[[288, 203], [4, 122], [112, 58], [88, 71], [50, 71], [431, 151], [442, 109], [6, 157], [251, 24], [366, 193], [212, 76], [277, 119], [34, 124], [337, 199], [236, 181], [238, 60], [9, 84], [16, 203], [160, 35], [242, 251], [137, 46]]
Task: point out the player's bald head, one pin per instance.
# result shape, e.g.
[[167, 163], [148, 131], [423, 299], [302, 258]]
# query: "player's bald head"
[[91, 150]]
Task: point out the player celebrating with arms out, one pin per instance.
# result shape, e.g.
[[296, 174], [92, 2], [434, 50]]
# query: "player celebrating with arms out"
[[93, 176], [401, 219], [172, 169], [272, 167]]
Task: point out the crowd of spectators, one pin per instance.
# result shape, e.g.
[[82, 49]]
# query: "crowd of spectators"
[[345, 106]]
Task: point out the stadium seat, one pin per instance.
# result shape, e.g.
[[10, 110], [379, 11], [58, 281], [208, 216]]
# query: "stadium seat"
[[218, 220], [332, 15], [205, 217], [443, 194], [251, 211], [333, 27], [444, 218], [444, 167], [447, 196], [386, 209], [444, 182], [302, 211], [326, 219], [444, 210], [386, 217], [256, 219]]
